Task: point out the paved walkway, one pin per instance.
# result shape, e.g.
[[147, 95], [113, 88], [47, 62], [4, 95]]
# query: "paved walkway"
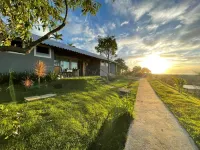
[[154, 127]]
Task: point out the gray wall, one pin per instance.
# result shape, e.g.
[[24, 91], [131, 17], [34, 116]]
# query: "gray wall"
[[113, 68], [21, 63], [103, 69]]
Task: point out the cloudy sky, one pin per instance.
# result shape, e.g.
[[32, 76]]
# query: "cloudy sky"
[[169, 28]]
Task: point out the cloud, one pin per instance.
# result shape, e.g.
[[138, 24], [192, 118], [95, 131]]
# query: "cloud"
[[124, 23], [121, 7], [152, 27], [168, 12], [178, 26], [111, 26], [139, 10]]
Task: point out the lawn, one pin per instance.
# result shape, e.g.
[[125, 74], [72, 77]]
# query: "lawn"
[[84, 112], [185, 108]]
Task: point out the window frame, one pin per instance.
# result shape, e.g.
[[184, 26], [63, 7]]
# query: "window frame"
[[38, 55]]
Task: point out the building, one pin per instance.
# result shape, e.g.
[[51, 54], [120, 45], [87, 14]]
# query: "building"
[[58, 57]]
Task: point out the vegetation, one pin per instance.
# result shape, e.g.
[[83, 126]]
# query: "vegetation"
[[40, 70], [179, 82], [19, 17], [185, 108], [121, 66], [84, 111], [138, 71], [18, 78], [108, 47]]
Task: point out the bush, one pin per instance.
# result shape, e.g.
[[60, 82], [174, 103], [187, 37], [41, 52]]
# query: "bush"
[[18, 77]]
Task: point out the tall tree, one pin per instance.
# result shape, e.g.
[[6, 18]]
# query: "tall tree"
[[136, 69], [179, 82], [18, 17], [121, 65], [108, 47], [145, 71]]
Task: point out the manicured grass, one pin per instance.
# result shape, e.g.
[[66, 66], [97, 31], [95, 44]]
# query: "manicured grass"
[[72, 120], [185, 108]]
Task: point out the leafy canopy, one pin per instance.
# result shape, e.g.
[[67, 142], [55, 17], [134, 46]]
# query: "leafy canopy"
[[107, 46], [18, 17], [121, 65]]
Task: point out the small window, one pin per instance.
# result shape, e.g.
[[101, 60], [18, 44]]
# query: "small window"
[[42, 51], [16, 43], [102, 63]]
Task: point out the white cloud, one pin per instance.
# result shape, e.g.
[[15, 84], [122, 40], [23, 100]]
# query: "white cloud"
[[191, 16], [124, 23], [163, 15], [139, 10], [122, 7], [152, 27], [178, 26], [111, 26]]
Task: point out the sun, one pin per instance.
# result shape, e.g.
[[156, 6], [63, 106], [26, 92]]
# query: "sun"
[[156, 64]]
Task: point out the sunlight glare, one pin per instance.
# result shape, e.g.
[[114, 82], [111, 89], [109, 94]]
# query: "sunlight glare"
[[156, 64]]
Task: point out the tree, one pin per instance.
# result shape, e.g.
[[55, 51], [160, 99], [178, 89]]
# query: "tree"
[[18, 17], [71, 44], [145, 71], [121, 65], [136, 69], [108, 47], [179, 82], [40, 70]]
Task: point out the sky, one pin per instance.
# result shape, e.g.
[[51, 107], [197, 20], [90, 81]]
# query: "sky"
[[170, 29]]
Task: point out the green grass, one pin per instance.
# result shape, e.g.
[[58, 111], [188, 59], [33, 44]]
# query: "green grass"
[[75, 119], [185, 108]]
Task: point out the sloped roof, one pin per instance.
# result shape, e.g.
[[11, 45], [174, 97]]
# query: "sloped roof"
[[67, 47]]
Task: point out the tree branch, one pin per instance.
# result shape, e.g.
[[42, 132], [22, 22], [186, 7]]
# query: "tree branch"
[[30, 47]]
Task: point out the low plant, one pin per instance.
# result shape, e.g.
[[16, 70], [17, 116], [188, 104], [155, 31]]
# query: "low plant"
[[27, 83], [53, 75], [11, 87], [40, 70]]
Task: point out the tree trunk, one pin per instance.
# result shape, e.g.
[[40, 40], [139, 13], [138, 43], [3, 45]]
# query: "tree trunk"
[[39, 82]]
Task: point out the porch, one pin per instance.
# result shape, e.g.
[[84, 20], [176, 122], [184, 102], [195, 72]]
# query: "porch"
[[71, 64]]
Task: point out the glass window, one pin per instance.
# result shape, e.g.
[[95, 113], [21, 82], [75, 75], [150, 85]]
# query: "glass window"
[[74, 65], [64, 65], [42, 51], [56, 63]]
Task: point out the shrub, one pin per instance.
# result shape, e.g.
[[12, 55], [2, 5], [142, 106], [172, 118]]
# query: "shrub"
[[40, 70], [18, 77]]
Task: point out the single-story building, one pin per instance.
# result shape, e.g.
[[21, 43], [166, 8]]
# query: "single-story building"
[[58, 57]]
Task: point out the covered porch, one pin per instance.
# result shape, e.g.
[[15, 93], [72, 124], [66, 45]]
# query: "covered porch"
[[72, 64]]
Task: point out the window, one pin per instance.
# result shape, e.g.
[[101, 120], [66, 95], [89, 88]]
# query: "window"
[[64, 65], [74, 65], [41, 51], [16, 43], [56, 63], [102, 63]]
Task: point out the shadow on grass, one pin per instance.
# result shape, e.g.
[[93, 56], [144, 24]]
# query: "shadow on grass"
[[113, 134], [67, 85]]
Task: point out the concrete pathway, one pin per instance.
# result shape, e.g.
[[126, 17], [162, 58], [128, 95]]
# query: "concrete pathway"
[[154, 127]]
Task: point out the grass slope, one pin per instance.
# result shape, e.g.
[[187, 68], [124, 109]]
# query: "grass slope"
[[72, 120], [185, 108]]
